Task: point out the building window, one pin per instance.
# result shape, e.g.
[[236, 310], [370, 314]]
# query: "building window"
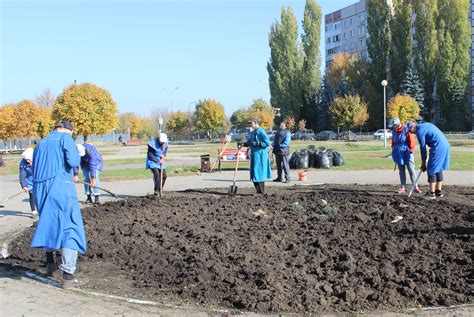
[[361, 43], [361, 30], [326, 28], [352, 46], [329, 40], [335, 26], [345, 23], [335, 38], [352, 33], [350, 21], [344, 35]]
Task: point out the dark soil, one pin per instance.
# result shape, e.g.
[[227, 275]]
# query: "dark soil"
[[286, 252]]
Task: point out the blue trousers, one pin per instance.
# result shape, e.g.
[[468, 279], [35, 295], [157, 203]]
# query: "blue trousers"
[[87, 179], [68, 259], [411, 170]]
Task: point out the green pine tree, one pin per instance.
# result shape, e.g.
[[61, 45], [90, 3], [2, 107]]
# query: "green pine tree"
[[401, 48], [323, 100], [412, 86], [311, 71], [378, 47]]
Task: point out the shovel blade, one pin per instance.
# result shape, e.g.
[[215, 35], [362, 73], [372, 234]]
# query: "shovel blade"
[[233, 190]]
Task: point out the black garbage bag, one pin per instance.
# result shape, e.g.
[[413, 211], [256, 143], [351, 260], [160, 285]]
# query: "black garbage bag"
[[311, 147], [337, 159], [299, 159], [324, 160], [317, 161], [311, 157]]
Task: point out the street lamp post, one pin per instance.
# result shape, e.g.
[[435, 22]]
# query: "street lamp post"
[[384, 84], [171, 96]]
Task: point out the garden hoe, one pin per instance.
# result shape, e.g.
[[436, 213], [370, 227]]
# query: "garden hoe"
[[99, 188], [413, 186], [233, 188], [12, 196]]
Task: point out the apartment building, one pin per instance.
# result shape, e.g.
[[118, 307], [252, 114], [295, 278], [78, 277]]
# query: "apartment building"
[[346, 30]]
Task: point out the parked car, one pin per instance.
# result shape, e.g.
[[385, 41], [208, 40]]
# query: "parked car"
[[303, 135], [326, 135], [379, 134]]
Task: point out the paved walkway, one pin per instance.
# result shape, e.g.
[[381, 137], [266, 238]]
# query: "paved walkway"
[[20, 295]]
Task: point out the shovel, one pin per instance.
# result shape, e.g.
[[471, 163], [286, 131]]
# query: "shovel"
[[413, 186], [102, 189], [12, 196], [233, 188], [161, 177]]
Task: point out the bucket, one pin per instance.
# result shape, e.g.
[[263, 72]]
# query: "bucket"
[[302, 175]]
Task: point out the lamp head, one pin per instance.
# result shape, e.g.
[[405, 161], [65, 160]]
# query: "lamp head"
[[384, 82]]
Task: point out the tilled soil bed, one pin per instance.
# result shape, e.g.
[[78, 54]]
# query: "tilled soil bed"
[[299, 249]]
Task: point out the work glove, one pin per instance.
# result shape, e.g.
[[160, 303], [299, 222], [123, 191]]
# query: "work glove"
[[240, 144]]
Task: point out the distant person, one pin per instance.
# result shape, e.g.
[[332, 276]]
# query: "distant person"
[[26, 178], [120, 139], [2, 162], [260, 169], [155, 161], [403, 146], [281, 149], [60, 225], [439, 157], [91, 165]]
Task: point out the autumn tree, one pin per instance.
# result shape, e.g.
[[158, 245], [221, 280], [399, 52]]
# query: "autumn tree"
[[302, 125], [262, 110], [210, 117], [349, 112], [135, 125], [7, 123], [291, 123], [180, 124], [404, 108], [240, 118], [29, 128], [43, 123], [90, 108], [125, 120]]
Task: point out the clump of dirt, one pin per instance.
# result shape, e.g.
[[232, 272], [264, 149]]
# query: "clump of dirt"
[[298, 249]]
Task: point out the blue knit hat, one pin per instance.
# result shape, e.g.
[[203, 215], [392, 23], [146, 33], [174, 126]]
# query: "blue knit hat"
[[410, 124]]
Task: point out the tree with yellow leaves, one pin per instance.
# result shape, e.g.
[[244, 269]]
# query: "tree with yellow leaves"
[[7, 123], [179, 123], [262, 110], [90, 108], [43, 122], [135, 125], [210, 117], [404, 108]]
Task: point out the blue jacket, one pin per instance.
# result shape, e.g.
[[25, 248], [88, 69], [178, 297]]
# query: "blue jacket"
[[260, 169], [281, 142], [60, 223], [429, 134], [155, 150], [91, 161], [400, 150], [26, 175]]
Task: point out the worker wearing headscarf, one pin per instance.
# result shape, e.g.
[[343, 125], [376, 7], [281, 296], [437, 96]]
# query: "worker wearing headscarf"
[[60, 225], [155, 161], [26, 178], [260, 169], [439, 157], [403, 146]]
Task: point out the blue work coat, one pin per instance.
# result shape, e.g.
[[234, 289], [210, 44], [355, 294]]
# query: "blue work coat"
[[439, 159], [400, 150], [260, 169], [155, 150], [26, 175], [60, 222], [92, 161]]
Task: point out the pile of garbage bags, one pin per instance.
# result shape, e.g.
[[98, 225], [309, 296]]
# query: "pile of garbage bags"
[[315, 157]]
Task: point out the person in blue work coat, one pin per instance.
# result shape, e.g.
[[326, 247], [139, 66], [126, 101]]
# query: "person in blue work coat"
[[403, 146], [60, 225], [260, 169], [281, 149], [26, 178], [439, 156], [91, 165], [155, 161]]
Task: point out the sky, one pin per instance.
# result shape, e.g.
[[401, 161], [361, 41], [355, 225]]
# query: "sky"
[[147, 54]]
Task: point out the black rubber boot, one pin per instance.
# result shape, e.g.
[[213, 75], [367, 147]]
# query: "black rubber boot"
[[96, 200], [51, 266], [89, 199]]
